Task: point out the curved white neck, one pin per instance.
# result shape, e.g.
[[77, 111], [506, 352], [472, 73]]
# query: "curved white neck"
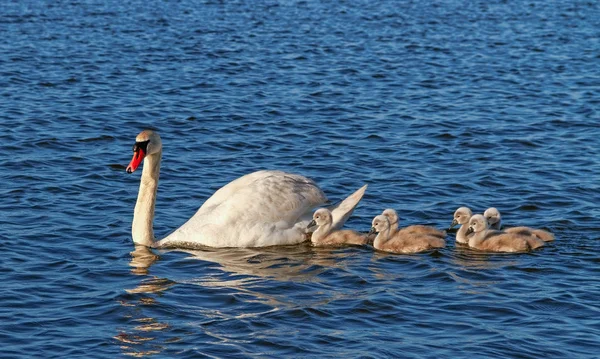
[[143, 215], [461, 234], [321, 232], [477, 238], [381, 238]]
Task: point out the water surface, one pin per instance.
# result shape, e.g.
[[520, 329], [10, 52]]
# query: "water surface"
[[435, 105]]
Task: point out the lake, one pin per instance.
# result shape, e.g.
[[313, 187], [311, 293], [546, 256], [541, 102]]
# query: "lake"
[[433, 104]]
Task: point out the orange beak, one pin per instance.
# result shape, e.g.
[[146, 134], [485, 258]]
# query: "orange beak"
[[138, 157]]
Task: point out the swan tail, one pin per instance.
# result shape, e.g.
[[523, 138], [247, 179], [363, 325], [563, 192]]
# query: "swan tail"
[[543, 235], [534, 242], [341, 211]]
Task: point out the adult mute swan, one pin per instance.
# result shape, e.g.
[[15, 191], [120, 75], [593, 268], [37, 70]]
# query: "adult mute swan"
[[263, 208]]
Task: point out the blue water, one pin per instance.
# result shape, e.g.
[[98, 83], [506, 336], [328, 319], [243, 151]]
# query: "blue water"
[[434, 104]]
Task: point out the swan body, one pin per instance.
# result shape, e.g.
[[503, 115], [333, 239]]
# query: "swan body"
[[263, 208], [495, 221], [326, 235], [404, 242], [462, 216], [486, 239]]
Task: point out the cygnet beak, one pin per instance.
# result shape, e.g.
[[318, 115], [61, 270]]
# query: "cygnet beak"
[[454, 223], [469, 231]]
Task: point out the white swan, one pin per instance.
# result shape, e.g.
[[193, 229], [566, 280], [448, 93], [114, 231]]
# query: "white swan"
[[263, 208]]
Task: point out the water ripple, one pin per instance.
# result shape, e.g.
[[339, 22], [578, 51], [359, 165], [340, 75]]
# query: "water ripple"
[[435, 105]]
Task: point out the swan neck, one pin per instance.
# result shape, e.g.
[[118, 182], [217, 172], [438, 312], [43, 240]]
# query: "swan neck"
[[477, 238], [143, 214], [381, 238], [393, 227], [321, 232], [461, 234]]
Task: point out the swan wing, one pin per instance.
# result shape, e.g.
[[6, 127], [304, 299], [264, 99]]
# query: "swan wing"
[[343, 210], [260, 209], [265, 196]]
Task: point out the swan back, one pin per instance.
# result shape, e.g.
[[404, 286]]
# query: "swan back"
[[425, 230], [394, 220], [541, 234]]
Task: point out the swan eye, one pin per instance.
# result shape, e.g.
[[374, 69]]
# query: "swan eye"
[[141, 145]]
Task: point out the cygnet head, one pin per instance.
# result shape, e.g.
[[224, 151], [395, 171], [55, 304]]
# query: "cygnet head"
[[477, 223], [391, 215], [492, 215], [321, 217], [461, 216], [147, 143], [380, 223]]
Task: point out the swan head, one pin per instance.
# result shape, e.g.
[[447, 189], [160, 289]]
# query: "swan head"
[[391, 215], [492, 215], [380, 223], [461, 216], [477, 223], [147, 143], [321, 217]]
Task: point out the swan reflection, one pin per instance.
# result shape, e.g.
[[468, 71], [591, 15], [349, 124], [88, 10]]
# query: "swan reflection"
[[141, 259], [139, 340], [146, 334]]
